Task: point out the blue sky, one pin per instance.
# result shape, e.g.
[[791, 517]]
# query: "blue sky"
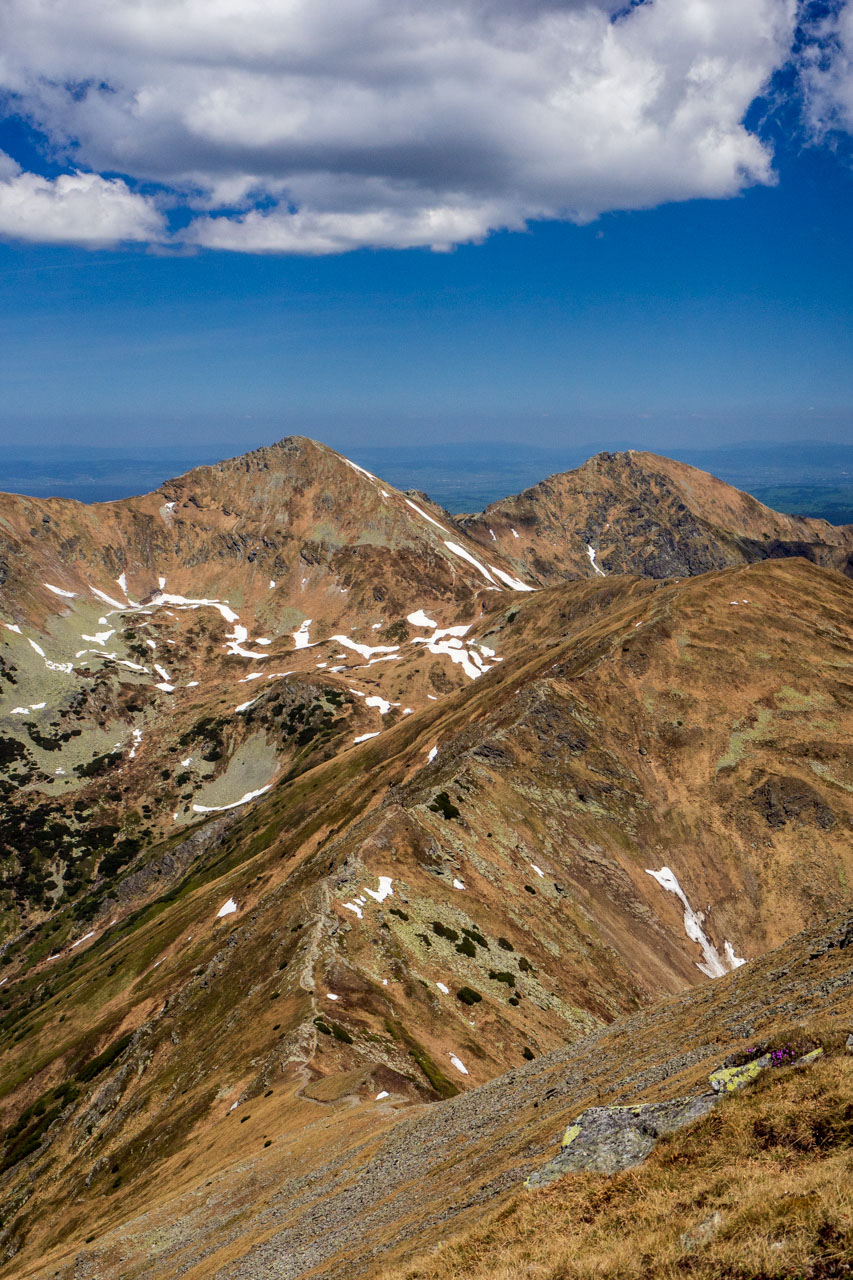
[[703, 319]]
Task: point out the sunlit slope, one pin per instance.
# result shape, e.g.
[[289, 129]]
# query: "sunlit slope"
[[469, 888], [328, 1189], [170, 655]]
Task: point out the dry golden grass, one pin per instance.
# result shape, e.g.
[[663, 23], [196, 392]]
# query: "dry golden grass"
[[775, 1163]]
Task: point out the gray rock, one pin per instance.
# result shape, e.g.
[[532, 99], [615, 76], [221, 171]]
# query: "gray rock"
[[702, 1233], [607, 1139]]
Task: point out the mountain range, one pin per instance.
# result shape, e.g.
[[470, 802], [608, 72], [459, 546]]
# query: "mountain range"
[[322, 806]]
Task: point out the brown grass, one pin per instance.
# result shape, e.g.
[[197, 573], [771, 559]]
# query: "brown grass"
[[775, 1163]]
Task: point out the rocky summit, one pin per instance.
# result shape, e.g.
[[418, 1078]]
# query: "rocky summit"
[[321, 807]]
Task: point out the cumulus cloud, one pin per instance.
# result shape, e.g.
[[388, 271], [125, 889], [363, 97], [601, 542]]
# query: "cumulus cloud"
[[317, 126], [74, 208]]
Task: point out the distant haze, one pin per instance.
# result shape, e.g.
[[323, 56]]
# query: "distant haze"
[[801, 477]]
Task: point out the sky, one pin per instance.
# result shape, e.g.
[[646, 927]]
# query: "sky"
[[380, 222]]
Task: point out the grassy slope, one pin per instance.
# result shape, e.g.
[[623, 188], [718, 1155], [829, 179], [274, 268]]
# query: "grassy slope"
[[342, 1188], [759, 1190], [208, 1009]]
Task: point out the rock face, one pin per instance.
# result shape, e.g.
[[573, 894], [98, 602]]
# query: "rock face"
[[640, 513]]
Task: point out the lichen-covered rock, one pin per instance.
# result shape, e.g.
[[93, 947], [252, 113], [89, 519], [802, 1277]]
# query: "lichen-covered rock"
[[730, 1079], [607, 1139]]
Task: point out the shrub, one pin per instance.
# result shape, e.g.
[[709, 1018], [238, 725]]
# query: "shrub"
[[468, 995], [442, 804]]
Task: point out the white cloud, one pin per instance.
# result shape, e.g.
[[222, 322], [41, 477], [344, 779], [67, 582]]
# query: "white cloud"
[[828, 73], [317, 126], [74, 208]]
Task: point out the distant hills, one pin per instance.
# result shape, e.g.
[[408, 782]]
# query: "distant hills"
[[810, 479], [322, 806]]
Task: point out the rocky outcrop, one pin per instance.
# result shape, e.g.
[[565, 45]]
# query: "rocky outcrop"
[[609, 1139]]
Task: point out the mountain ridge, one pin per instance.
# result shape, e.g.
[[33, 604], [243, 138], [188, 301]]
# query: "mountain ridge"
[[387, 824]]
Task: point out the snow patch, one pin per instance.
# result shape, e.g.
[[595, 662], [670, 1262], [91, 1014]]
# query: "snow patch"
[[227, 909], [433, 752], [366, 650], [301, 638], [458, 884], [424, 515], [514, 534], [714, 966], [101, 637], [383, 1094], [420, 619], [443, 989], [459, 1064], [361, 471], [515, 584], [384, 891], [58, 591], [591, 552], [351, 906], [376, 701], [364, 737], [466, 555], [250, 795]]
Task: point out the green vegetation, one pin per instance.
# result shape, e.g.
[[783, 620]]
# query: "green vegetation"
[[25, 1136], [502, 976], [104, 1060], [739, 738], [436, 1077], [442, 804], [468, 995]]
